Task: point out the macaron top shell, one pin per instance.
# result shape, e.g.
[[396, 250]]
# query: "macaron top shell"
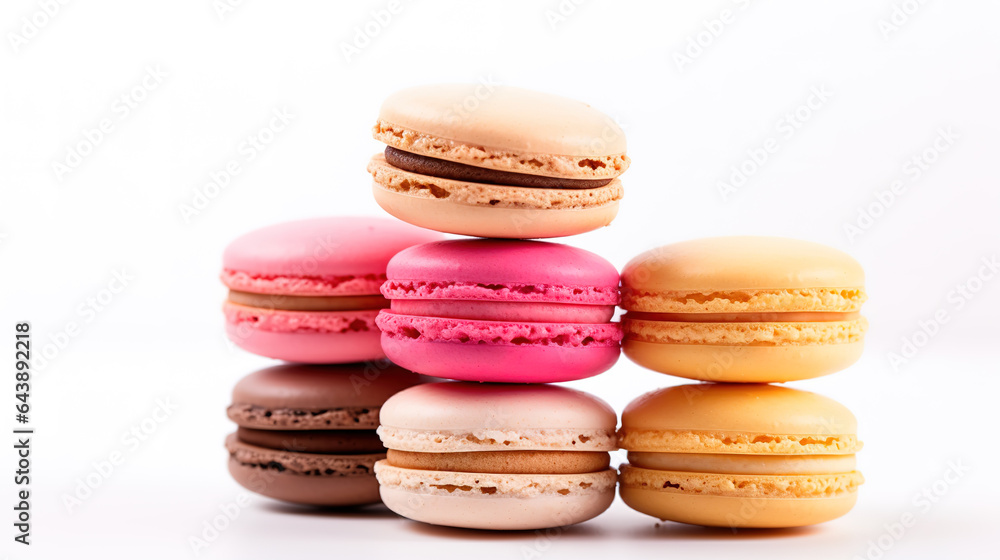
[[465, 406], [321, 256], [748, 407], [759, 412], [505, 117], [456, 416], [502, 270], [313, 387], [715, 266]]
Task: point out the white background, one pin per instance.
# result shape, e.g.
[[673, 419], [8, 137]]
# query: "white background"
[[64, 234]]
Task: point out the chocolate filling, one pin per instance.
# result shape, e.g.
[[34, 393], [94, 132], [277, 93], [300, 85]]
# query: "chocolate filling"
[[461, 172], [313, 441]]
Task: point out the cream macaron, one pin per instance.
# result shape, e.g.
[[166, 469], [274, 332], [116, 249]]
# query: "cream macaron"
[[502, 457], [497, 161], [744, 309], [739, 455]]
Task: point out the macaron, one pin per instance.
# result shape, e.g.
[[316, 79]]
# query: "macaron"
[[505, 457], [497, 161], [501, 310], [308, 291], [307, 433], [744, 309], [739, 455]]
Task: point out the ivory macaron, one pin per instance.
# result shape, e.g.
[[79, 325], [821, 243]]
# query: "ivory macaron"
[[308, 291], [744, 309], [503, 457], [739, 455], [497, 162], [307, 433]]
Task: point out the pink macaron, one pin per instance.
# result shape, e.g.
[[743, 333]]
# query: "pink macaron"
[[308, 291], [501, 311]]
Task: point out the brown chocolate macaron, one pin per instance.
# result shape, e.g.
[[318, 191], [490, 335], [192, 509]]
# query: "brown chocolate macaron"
[[307, 433]]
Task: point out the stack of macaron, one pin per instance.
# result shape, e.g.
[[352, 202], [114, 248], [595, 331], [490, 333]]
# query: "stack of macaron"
[[363, 307], [307, 292], [497, 448], [741, 312]]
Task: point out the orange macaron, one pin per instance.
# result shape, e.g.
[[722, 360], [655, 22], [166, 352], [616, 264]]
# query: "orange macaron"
[[744, 309], [739, 455]]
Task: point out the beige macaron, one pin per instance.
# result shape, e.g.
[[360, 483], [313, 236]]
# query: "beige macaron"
[[497, 161], [744, 309], [739, 455], [491, 456]]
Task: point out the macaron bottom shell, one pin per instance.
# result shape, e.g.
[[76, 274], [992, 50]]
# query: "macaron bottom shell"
[[736, 512], [442, 215], [309, 347], [499, 351], [304, 478], [495, 501], [500, 363], [330, 491], [743, 364]]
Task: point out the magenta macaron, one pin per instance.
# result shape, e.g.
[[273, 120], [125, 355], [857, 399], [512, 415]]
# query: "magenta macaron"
[[308, 291], [501, 311]]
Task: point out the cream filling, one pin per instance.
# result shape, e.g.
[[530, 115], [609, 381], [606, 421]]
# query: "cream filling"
[[531, 311], [308, 303], [743, 464], [761, 317]]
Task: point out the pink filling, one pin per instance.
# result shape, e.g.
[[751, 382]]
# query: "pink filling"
[[505, 311], [439, 329], [300, 321], [419, 289], [303, 285]]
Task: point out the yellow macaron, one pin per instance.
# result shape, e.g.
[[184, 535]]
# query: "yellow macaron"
[[739, 455], [744, 309]]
